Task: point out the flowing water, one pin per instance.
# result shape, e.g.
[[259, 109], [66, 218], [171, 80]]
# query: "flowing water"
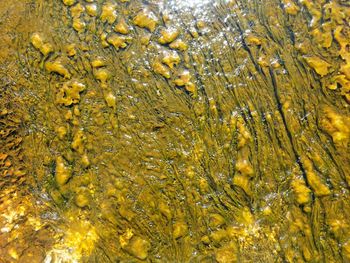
[[174, 131]]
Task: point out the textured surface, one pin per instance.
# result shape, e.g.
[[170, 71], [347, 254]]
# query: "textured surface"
[[175, 131]]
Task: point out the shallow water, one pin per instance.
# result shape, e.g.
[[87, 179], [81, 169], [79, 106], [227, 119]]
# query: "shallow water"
[[174, 131]]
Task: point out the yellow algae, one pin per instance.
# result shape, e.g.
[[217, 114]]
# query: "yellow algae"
[[324, 38], [145, 39], [125, 238], [109, 13], [200, 24], [216, 220], [191, 87], [301, 191], [303, 47], [102, 74], [193, 32], [146, 19], [263, 62], [341, 39], [345, 69], [62, 173], [111, 100], [180, 229], [205, 240], [69, 94], [76, 111], [290, 7], [82, 200], [253, 40], [38, 42], [168, 35], [244, 167], [165, 210], [161, 69], [98, 62], [85, 160], [71, 50], [247, 217], [68, 115], [57, 67], [335, 12], [138, 247], [242, 181], [201, 178], [313, 10], [117, 41], [171, 59], [339, 79], [346, 94], [244, 136], [78, 241], [13, 253], [346, 250], [78, 142], [122, 27], [46, 49], [319, 65], [77, 10], [218, 235], [69, 2], [343, 42], [337, 126], [62, 132], [337, 226], [307, 253], [275, 64], [179, 44], [91, 9], [78, 24], [126, 212], [315, 182], [103, 38], [183, 79], [227, 253]]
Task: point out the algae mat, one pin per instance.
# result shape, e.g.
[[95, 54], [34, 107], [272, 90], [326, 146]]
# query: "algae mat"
[[175, 131]]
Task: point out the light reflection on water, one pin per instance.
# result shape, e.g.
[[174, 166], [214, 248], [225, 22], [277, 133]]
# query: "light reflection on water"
[[184, 4]]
